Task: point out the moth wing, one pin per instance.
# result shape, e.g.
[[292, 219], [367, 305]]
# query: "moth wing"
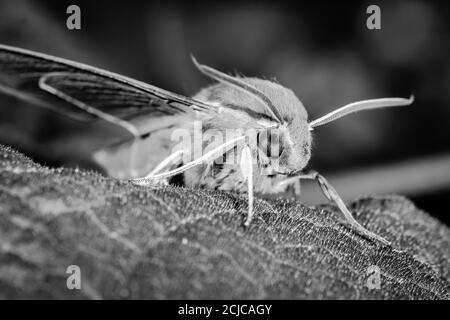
[[87, 93], [92, 96]]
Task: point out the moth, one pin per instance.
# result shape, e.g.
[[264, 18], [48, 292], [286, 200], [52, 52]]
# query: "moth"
[[269, 159]]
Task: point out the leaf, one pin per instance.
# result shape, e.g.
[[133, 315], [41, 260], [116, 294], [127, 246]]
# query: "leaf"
[[173, 242]]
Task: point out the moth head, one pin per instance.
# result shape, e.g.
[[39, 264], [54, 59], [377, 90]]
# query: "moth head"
[[284, 141], [286, 145]]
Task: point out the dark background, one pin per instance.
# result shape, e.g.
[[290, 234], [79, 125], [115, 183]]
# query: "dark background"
[[321, 50]]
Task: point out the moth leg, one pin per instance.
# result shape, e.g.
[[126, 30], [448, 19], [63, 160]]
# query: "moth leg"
[[210, 155], [132, 129], [171, 159], [290, 181], [332, 195], [247, 172]]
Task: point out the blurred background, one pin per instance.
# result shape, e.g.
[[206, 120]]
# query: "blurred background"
[[322, 50]]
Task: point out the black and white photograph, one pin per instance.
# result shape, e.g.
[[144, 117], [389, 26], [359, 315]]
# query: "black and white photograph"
[[241, 152]]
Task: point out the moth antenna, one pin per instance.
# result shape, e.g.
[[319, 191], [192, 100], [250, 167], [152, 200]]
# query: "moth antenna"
[[360, 106], [239, 84]]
